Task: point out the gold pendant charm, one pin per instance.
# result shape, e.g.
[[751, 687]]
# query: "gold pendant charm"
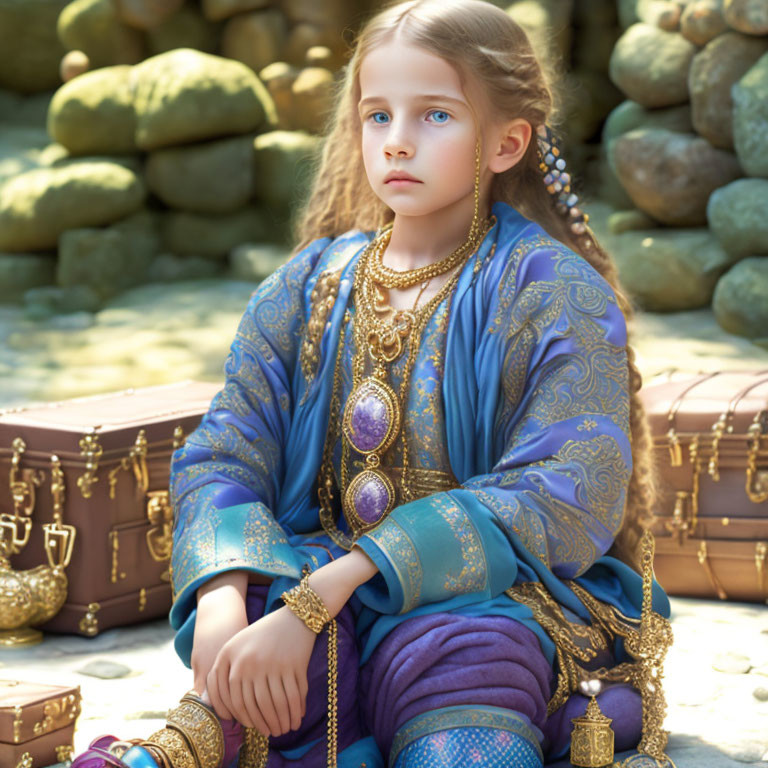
[[592, 738]]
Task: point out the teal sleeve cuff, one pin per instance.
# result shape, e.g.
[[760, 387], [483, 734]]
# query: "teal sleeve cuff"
[[242, 537], [383, 591], [436, 548]]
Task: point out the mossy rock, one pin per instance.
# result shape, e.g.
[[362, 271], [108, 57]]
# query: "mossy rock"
[[93, 112], [185, 96], [36, 207]]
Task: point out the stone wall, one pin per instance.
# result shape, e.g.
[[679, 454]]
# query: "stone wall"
[[180, 135], [687, 158]]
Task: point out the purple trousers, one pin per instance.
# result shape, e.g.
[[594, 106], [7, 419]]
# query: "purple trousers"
[[429, 662]]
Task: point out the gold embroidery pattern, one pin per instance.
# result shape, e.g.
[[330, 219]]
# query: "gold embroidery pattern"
[[508, 280], [597, 378], [233, 444], [322, 299], [588, 381], [402, 553], [474, 569], [198, 553], [560, 534]]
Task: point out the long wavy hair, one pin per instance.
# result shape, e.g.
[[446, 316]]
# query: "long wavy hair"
[[485, 44]]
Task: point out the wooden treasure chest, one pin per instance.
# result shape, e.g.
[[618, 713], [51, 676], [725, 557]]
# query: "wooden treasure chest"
[[710, 436], [85, 519], [37, 723]]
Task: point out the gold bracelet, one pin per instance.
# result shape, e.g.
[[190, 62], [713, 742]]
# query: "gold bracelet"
[[172, 743], [307, 605]]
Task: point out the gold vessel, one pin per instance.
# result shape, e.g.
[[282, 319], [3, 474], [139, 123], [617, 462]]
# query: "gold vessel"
[[33, 596]]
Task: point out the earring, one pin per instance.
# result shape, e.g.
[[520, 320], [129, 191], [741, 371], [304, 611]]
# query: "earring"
[[558, 182], [475, 227]]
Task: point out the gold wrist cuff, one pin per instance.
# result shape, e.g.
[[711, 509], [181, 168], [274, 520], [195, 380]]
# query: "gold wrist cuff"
[[172, 744], [307, 605], [199, 725]]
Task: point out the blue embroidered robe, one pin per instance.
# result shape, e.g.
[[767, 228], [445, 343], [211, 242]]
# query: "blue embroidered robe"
[[532, 389]]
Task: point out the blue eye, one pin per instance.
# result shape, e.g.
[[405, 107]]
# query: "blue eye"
[[374, 115], [445, 115]]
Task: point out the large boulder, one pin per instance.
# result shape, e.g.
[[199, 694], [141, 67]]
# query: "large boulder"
[[186, 29], [750, 118], [184, 96], [714, 71], [213, 237], [212, 177], [650, 65], [21, 271], [668, 270], [106, 260], [93, 113], [36, 207], [671, 175], [630, 115], [146, 14], [748, 16], [255, 39], [30, 51], [738, 216], [283, 166], [740, 302], [626, 117], [93, 27]]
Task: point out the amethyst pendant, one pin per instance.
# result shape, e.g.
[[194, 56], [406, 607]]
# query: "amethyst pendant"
[[369, 499], [371, 416]]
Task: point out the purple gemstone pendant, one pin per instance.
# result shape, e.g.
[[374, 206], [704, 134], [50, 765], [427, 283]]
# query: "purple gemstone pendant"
[[369, 499], [371, 416]]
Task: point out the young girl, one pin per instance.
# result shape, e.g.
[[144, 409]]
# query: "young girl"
[[431, 408]]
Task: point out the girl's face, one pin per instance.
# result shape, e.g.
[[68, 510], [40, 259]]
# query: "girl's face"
[[415, 119]]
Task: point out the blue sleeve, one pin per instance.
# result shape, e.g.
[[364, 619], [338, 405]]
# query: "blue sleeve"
[[226, 478], [557, 490]]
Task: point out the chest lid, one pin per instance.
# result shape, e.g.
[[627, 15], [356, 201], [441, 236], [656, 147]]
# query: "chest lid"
[[113, 418], [29, 710]]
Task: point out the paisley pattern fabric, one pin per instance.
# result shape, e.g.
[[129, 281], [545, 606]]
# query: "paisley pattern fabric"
[[517, 423]]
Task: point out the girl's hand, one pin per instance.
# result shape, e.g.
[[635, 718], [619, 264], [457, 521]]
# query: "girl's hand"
[[219, 618], [260, 675]]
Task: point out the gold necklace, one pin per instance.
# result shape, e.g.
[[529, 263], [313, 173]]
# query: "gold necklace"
[[373, 412], [391, 278]]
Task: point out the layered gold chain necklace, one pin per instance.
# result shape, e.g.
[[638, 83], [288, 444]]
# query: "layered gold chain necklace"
[[373, 413]]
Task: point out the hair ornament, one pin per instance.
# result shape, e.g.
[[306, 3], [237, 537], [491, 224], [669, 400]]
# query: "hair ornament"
[[558, 182]]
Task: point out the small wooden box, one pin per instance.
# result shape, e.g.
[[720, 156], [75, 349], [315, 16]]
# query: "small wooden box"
[[38, 721]]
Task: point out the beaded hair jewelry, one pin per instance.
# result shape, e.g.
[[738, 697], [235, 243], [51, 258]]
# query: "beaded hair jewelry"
[[558, 182]]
